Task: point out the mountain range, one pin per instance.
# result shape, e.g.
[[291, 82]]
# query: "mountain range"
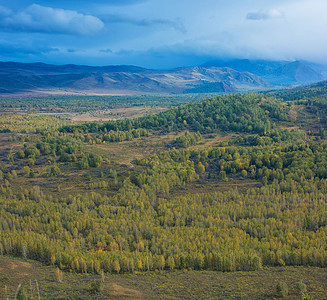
[[215, 76]]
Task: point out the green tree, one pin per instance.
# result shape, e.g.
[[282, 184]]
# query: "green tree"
[[282, 289]]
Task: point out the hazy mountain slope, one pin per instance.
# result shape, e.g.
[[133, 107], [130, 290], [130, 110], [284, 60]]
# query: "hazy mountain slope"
[[279, 73], [216, 76], [294, 73], [20, 78], [258, 67]]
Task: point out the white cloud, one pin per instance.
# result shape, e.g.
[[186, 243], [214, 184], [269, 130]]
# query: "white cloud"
[[36, 18], [263, 15], [4, 11]]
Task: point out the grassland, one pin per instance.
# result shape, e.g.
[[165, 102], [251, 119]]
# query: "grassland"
[[184, 284]]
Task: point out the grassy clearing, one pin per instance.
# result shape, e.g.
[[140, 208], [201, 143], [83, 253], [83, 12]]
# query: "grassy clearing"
[[212, 185], [126, 152], [160, 285], [119, 156], [116, 114]]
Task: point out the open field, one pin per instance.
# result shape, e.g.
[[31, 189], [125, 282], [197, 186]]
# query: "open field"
[[160, 285], [116, 114]]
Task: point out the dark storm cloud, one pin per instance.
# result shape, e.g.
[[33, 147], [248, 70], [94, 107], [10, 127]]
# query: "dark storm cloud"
[[37, 18]]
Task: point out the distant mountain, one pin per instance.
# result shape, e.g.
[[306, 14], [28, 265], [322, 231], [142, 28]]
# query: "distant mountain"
[[294, 73], [20, 78], [277, 73], [258, 67]]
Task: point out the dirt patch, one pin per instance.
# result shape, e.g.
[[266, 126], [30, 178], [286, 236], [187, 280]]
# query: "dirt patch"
[[116, 114], [293, 114], [21, 268], [124, 293]]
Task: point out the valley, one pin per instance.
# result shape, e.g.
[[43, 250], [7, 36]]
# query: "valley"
[[232, 186]]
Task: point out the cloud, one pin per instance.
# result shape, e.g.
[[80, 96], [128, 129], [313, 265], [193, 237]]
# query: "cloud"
[[36, 18], [177, 24], [106, 50], [263, 15], [4, 11], [23, 49], [124, 2]]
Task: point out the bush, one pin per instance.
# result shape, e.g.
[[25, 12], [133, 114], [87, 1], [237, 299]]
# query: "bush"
[[58, 275], [96, 287], [282, 289], [54, 171], [21, 154], [21, 295], [307, 297], [64, 157], [301, 287]]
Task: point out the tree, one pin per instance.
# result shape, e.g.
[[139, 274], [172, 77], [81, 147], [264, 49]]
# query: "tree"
[[96, 287], [282, 289], [171, 262], [222, 175], [201, 168], [116, 266], [161, 262], [27, 170], [58, 275], [54, 171], [257, 262]]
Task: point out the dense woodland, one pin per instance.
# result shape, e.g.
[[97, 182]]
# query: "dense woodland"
[[148, 215], [73, 103], [236, 112]]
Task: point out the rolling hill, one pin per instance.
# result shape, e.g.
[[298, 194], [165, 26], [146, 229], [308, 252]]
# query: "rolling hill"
[[277, 73], [217, 77], [18, 78]]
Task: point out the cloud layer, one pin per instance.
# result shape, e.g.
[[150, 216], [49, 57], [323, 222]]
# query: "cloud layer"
[[36, 18], [161, 34], [263, 15], [145, 22]]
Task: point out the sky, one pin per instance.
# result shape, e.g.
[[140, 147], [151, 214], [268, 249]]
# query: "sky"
[[161, 34]]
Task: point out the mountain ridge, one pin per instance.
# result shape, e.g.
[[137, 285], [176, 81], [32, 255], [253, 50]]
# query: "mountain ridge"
[[277, 73], [220, 76]]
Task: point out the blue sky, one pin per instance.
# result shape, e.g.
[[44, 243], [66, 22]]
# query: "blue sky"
[[161, 33]]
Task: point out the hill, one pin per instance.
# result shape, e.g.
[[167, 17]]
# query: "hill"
[[277, 73], [318, 89], [42, 78], [211, 77]]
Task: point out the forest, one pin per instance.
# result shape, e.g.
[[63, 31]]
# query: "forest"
[[230, 183]]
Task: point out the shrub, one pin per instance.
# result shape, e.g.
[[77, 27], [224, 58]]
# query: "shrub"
[[58, 275], [54, 171], [301, 287], [307, 297], [21, 295], [244, 173], [21, 154], [96, 287], [282, 289]]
